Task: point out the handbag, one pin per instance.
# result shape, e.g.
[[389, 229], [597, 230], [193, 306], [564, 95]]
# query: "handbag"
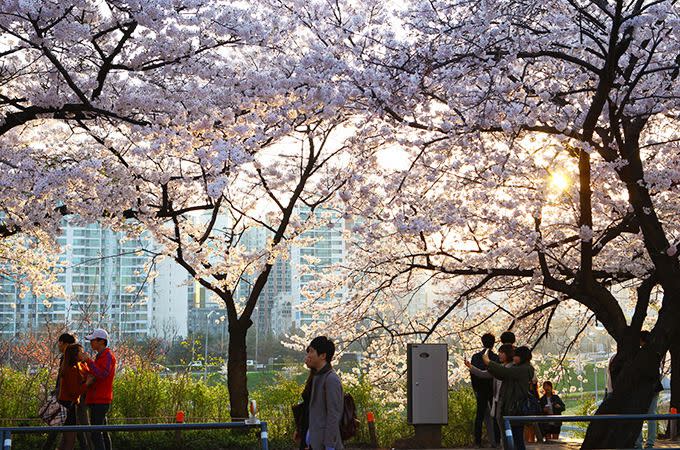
[[527, 406], [298, 413], [52, 412]]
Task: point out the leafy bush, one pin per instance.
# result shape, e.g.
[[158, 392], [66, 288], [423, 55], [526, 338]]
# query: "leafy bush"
[[21, 394], [462, 409], [586, 407], [146, 396]]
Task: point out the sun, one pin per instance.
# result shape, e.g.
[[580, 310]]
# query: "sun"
[[559, 181]]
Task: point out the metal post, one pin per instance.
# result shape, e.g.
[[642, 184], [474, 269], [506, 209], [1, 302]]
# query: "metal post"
[[6, 440], [205, 359], [263, 436], [509, 441], [207, 333]]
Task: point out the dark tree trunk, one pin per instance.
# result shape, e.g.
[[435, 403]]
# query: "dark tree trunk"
[[635, 375], [633, 392], [675, 369], [237, 380], [675, 380]]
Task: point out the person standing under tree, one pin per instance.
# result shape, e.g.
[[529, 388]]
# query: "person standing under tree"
[[483, 388], [506, 352], [651, 424], [325, 398], [64, 340], [515, 387], [100, 393], [72, 386]]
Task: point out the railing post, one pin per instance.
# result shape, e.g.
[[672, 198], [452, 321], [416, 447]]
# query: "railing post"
[[179, 418], [370, 419], [264, 436], [6, 440], [509, 441]]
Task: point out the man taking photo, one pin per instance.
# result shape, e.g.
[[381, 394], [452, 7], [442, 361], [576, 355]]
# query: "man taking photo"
[[102, 370]]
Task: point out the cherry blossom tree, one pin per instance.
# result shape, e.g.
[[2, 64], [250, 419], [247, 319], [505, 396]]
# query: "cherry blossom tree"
[[192, 123], [77, 62], [496, 101], [539, 143]]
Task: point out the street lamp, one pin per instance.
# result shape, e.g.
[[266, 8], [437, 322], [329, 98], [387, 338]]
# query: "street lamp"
[[205, 359]]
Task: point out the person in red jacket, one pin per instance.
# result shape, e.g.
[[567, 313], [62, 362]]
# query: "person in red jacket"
[[101, 372], [71, 387]]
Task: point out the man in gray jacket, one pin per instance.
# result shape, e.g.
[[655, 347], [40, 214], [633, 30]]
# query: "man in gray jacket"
[[326, 401]]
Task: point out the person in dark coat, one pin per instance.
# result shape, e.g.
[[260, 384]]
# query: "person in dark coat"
[[506, 353], [508, 337], [483, 388], [551, 404], [515, 387], [325, 402], [303, 425]]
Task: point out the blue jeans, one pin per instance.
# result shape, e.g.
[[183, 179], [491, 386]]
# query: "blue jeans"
[[651, 425]]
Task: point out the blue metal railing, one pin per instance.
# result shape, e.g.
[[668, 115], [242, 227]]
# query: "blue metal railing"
[[6, 432], [508, 420]]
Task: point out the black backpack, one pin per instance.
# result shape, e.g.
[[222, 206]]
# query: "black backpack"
[[349, 423]]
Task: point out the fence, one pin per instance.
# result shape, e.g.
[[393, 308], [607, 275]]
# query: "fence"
[[6, 432], [507, 421]]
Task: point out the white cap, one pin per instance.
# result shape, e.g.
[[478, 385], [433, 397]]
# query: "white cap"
[[98, 333]]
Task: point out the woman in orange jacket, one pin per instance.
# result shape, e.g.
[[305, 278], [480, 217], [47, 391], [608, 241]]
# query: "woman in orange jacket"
[[72, 372]]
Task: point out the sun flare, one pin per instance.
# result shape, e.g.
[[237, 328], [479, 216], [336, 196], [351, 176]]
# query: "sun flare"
[[559, 181]]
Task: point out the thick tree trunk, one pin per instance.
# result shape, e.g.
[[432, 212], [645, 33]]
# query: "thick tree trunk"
[[635, 375], [633, 385], [631, 397], [237, 380], [675, 370]]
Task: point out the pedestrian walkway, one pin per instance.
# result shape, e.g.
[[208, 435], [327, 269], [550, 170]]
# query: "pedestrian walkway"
[[567, 445]]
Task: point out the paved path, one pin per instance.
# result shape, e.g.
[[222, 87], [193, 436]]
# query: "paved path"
[[571, 445]]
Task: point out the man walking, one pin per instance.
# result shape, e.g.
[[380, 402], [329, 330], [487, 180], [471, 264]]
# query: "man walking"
[[483, 389], [326, 401], [100, 393]]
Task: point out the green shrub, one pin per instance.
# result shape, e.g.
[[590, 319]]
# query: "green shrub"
[[140, 394], [462, 409], [274, 403], [586, 407], [147, 396], [22, 394]]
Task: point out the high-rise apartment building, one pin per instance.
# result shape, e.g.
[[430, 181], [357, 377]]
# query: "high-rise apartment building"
[[278, 283], [106, 282], [8, 307], [318, 250], [170, 309]]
